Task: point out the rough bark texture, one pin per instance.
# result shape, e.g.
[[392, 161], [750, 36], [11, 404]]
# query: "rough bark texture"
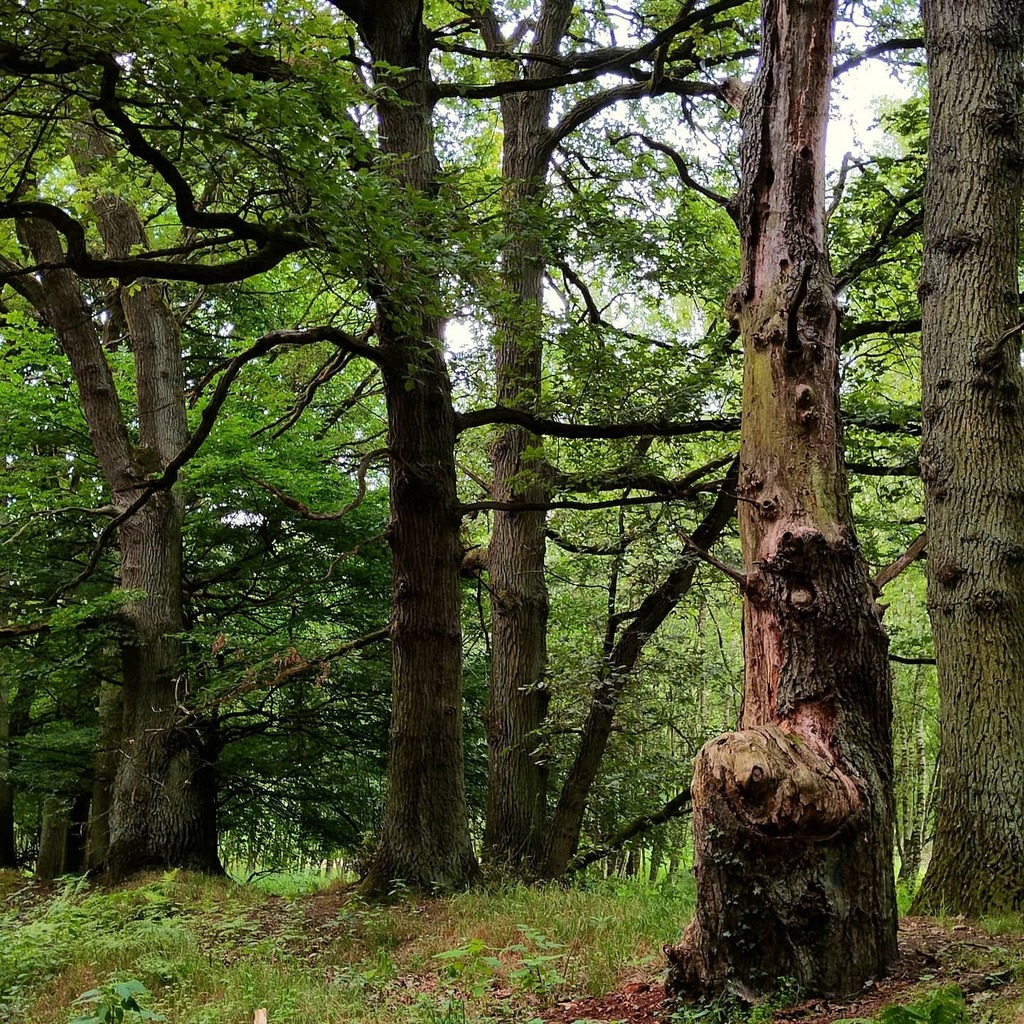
[[972, 452], [164, 799], [517, 777], [424, 840], [793, 813]]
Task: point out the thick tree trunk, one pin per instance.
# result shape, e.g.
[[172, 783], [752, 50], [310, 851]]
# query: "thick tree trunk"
[[972, 452], [164, 798], [424, 839], [517, 778], [793, 813]]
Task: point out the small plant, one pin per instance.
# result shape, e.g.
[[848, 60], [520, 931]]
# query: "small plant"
[[536, 972], [116, 1001], [471, 966], [944, 1006]]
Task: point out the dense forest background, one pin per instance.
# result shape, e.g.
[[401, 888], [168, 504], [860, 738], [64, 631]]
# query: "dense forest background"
[[284, 509], [372, 414]]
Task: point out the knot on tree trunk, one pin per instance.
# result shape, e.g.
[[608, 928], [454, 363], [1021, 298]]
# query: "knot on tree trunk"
[[776, 783]]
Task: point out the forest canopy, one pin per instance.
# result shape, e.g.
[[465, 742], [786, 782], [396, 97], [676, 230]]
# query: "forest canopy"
[[430, 427]]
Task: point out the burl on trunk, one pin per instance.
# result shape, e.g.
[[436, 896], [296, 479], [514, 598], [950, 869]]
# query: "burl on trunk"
[[793, 812]]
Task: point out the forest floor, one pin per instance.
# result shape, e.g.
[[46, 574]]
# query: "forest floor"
[[987, 968], [190, 950]]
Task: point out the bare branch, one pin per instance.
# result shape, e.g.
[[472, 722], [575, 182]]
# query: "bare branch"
[[681, 168], [914, 552], [323, 517], [553, 428], [679, 805], [890, 46]]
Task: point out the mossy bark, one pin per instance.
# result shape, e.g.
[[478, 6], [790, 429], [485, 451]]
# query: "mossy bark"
[[793, 812]]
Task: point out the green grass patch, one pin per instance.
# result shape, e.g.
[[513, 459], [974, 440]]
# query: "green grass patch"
[[195, 950]]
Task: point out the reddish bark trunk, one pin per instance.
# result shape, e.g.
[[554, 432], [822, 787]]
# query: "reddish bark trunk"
[[793, 812]]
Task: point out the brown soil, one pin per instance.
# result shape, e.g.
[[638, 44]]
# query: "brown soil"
[[987, 968]]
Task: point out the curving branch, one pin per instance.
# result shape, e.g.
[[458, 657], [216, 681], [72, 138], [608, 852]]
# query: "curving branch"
[[167, 479], [681, 168], [677, 807], [324, 517], [554, 428], [889, 46]]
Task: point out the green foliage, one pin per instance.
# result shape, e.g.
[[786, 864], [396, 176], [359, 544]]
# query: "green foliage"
[[943, 1006], [116, 1001], [209, 950], [728, 1010]]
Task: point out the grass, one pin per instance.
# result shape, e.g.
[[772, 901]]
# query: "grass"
[[210, 951]]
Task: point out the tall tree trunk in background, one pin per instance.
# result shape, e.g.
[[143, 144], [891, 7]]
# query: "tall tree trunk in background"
[[517, 777], [793, 813], [163, 811], [424, 837], [972, 451], [620, 660], [105, 760], [53, 838], [8, 852]]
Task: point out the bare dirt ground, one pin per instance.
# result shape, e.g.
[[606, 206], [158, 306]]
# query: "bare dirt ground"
[[986, 967]]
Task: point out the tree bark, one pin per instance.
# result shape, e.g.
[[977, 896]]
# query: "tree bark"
[[164, 798], [972, 451], [105, 760], [517, 777], [794, 812], [53, 837], [8, 850], [424, 840]]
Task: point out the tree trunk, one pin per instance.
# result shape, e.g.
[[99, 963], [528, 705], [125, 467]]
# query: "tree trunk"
[[793, 813], [912, 774], [53, 838], [164, 798], [8, 850], [567, 821], [424, 839], [517, 777], [105, 759], [972, 451]]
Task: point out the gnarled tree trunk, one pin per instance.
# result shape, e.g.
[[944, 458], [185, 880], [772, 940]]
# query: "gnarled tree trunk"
[[793, 813], [972, 451]]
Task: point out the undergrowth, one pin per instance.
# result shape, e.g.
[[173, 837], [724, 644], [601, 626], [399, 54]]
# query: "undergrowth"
[[194, 950]]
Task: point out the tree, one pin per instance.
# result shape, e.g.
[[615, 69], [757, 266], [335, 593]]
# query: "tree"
[[162, 810], [424, 837], [793, 812], [972, 451]]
